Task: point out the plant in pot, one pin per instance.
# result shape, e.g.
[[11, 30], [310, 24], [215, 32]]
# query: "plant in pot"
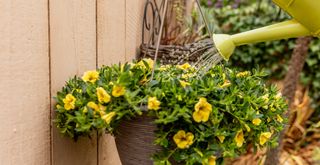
[[177, 117]]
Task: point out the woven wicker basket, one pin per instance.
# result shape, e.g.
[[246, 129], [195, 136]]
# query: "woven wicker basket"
[[135, 141], [176, 54]]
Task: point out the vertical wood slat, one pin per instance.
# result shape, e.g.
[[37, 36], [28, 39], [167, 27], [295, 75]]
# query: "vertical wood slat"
[[111, 50], [119, 37], [24, 82], [134, 17], [111, 31], [73, 51]]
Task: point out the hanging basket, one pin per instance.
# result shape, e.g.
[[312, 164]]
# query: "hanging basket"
[[135, 141]]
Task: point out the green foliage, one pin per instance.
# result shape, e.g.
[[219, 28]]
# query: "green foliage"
[[227, 101]]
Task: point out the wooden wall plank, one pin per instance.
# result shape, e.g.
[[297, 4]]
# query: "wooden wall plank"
[[111, 31], [73, 51], [134, 17], [24, 83], [119, 36], [111, 50]]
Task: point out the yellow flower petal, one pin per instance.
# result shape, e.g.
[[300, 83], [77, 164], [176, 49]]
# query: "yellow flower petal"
[[189, 138], [108, 117], [256, 121], [197, 117], [93, 106], [264, 137], [185, 66], [183, 144], [182, 139], [239, 138], [103, 96], [69, 102], [243, 74], [90, 76], [69, 106], [118, 90], [153, 103], [202, 110], [149, 62], [221, 138], [225, 84], [212, 160]]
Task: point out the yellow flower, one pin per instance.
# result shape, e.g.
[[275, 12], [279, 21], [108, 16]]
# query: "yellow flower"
[[183, 140], [185, 66], [221, 138], [243, 74], [202, 111], [103, 96], [153, 103], [184, 84], [148, 61], [118, 91], [90, 76], [279, 118], [212, 160], [225, 84], [108, 117], [256, 121], [93, 106], [239, 138], [69, 102], [264, 137]]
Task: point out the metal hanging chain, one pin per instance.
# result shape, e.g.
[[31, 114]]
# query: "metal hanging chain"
[[204, 20], [159, 38]]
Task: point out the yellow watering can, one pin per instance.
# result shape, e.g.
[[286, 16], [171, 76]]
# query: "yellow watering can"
[[306, 22]]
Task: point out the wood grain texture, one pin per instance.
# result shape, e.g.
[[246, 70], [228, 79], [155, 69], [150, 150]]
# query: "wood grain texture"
[[111, 31], [134, 16], [111, 50], [119, 37], [73, 51], [24, 83]]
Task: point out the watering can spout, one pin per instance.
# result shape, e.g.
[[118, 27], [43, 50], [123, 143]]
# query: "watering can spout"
[[306, 22]]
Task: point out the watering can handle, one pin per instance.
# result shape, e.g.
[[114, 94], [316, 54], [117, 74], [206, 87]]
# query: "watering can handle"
[[283, 30], [288, 29]]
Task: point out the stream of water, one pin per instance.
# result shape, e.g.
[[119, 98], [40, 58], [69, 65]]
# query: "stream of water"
[[207, 60]]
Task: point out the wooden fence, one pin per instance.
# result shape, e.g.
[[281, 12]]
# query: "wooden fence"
[[42, 44]]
